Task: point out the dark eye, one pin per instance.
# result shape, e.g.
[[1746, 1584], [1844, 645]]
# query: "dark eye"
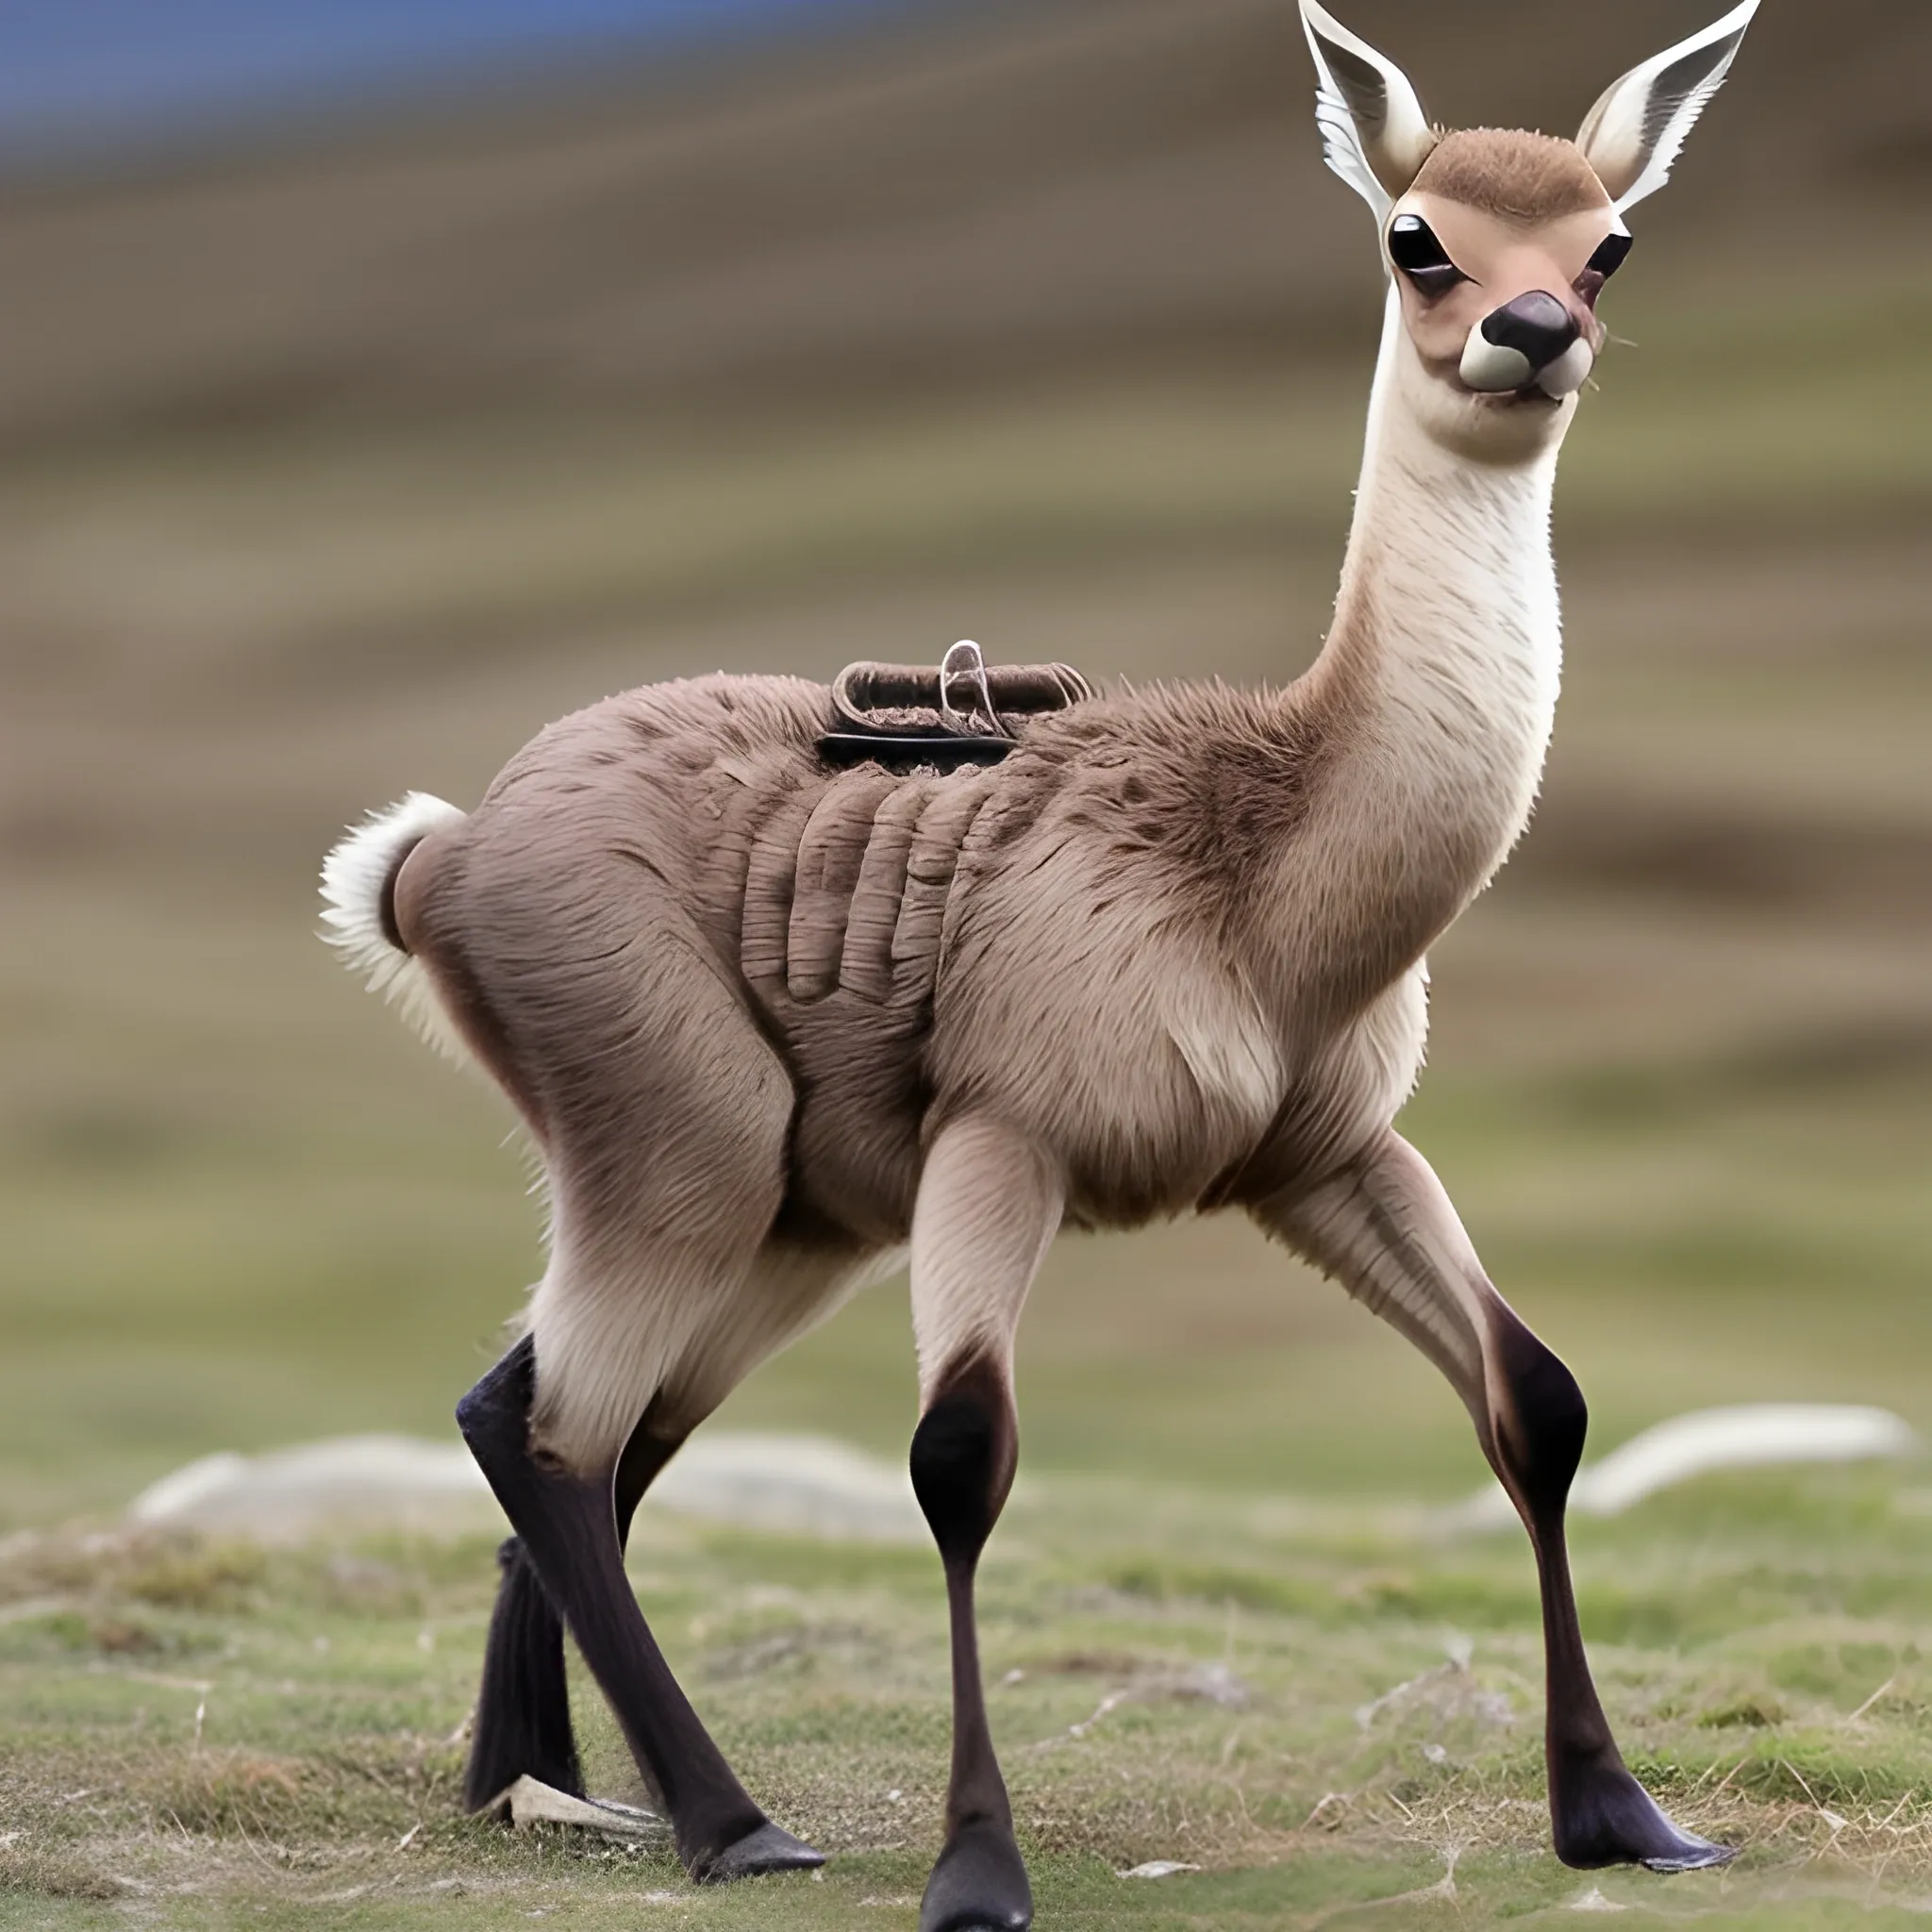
[[1609, 255], [1601, 266], [1414, 249]]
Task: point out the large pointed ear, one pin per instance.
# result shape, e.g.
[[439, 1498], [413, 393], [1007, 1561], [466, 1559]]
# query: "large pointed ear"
[[1374, 132], [1631, 137]]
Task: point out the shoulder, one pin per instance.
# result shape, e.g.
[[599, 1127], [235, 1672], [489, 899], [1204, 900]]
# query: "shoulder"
[[1202, 768]]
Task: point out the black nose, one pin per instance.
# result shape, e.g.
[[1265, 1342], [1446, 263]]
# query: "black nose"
[[1537, 325]]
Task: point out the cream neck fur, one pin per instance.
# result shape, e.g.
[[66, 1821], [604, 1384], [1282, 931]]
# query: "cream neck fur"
[[1435, 692]]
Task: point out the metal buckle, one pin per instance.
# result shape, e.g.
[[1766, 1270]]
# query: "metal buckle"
[[964, 660]]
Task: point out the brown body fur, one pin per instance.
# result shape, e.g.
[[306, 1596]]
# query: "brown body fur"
[[1067, 942], [1027, 939]]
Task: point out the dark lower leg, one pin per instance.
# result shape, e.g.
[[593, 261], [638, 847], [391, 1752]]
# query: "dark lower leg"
[[522, 1725], [1599, 1815], [568, 1527], [963, 1457]]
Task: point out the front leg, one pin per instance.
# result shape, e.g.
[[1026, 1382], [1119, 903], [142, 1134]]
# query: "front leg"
[[989, 1203], [1388, 1232]]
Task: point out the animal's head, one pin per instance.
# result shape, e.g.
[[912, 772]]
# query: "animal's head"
[[1499, 242]]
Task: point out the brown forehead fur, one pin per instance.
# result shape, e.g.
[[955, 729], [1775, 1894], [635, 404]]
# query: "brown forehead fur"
[[1508, 172]]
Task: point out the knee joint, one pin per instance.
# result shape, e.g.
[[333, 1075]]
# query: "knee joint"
[[1547, 1418], [963, 1455], [494, 1416]]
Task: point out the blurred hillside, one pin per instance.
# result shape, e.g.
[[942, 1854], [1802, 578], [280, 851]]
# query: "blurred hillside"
[[337, 466], [1011, 188]]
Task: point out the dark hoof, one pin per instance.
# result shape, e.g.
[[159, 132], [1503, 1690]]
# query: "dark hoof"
[[1693, 1853], [1602, 1816], [979, 1885], [770, 1848]]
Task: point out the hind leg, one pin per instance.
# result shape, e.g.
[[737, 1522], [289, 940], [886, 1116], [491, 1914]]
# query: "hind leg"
[[568, 1526], [523, 1725], [664, 1117], [523, 1713]]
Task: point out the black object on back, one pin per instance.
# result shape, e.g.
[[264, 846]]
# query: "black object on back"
[[962, 712]]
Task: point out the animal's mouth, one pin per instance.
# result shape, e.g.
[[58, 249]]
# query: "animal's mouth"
[[1528, 395]]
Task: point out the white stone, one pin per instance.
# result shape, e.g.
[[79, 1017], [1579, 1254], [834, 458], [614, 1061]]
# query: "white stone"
[[796, 1485], [284, 1495], [1755, 1435]]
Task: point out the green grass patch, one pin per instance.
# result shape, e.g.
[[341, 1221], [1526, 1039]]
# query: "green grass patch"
[[1324, 1714]]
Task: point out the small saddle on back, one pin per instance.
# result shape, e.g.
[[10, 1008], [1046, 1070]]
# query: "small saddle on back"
[[961, 712]]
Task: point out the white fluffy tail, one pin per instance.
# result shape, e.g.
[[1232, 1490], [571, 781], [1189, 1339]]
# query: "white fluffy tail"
[[357, 878]]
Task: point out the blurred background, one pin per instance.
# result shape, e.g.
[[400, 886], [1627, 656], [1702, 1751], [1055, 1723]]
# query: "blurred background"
[[378, 383]]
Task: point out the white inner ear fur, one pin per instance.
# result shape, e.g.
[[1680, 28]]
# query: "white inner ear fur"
[[1632, 135], [1374, 134]]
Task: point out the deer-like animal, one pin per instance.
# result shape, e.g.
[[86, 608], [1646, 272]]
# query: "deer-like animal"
[[769, 1021]]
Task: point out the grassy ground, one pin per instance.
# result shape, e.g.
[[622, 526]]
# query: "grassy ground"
[[1321, 1706]]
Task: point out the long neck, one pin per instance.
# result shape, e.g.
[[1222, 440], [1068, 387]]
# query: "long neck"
[[1433, 699]]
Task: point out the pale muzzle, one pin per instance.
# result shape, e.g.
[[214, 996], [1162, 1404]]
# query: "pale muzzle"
[[1530, 342]]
